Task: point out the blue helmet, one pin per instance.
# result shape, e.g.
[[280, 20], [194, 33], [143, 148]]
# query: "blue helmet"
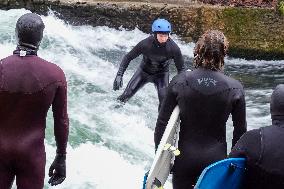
[[161, 25]]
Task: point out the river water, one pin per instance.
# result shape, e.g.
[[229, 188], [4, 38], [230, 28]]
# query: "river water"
[[112, 147]]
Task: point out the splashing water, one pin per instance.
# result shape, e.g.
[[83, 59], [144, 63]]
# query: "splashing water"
[[113, 147]]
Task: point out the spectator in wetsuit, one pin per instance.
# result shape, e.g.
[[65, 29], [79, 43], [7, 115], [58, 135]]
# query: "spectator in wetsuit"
[[263, 148], [29, 85], [206, 98], [157, 50]]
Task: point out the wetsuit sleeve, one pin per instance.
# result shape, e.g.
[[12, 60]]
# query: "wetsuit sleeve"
[[178, 59], [61, 121], [135, 52], [249, 146], [239, 116], [165, 112]]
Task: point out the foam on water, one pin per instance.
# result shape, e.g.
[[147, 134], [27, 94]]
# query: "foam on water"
[[112, 147]]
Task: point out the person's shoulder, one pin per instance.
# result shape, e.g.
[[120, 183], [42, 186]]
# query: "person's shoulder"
[[50, 64], [249, 142], [144, 43], [149, 39], [254, 133], [172, 44], [250, 137], [52, 69], [9, 58], [234, 83], [180, 78]]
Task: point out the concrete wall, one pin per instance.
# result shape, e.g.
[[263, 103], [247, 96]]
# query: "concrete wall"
[[253, 33]]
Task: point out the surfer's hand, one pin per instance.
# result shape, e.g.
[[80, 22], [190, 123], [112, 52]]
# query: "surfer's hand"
[[118, 82], [57, 170]]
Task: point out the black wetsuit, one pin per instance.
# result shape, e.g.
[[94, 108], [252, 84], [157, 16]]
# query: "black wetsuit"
[[206, 99], [29, 85], [154, 66], [263, 149]]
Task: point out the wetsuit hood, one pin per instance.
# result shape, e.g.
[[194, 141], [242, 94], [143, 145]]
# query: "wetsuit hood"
[[277, 103], [29, 31]]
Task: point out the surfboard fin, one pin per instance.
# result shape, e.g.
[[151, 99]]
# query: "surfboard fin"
[[156, 187], [171, 148], [167, 146], [157, 184]]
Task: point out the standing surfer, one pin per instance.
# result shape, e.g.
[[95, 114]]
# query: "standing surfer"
[[29, 85], [263, 148], [206, 98], [157, 50]]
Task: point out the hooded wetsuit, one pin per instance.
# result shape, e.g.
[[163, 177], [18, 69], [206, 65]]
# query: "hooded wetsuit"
[[154, 67], [206, 99], [265, 158], [29, 85], [263, 149]]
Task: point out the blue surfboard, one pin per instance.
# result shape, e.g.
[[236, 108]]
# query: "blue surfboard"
[[224, 174]]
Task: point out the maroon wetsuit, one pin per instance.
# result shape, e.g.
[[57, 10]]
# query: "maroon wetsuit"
[[29, 85]]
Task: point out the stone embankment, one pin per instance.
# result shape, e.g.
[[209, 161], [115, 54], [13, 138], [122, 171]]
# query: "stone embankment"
[[253, 32]]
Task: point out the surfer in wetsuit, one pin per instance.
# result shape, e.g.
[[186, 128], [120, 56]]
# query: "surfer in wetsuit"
[[206, 98], [263, 149], [29, 85], [157, 50]]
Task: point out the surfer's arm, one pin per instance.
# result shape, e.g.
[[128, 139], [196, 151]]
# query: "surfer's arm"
[[61, 121], [167, 107], [239, 116], [248, 146], [178, 59], [135, 52]]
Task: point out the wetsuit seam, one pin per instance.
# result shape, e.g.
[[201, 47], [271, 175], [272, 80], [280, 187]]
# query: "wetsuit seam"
[[222, 91], [188, 76], [261, 147], [34, 92]]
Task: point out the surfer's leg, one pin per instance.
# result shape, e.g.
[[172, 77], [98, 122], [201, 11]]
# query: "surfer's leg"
[[30, 171], [161, 83], [6, 177], [183, 182], [137, 81]]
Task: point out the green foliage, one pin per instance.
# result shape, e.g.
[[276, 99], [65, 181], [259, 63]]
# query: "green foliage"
[[281, 7]]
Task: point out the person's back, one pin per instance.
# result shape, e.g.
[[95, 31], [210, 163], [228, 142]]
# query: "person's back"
[[263, 149], [29, 85], [206, 98]]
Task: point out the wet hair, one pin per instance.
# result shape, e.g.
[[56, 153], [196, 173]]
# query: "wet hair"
[[210, 50]]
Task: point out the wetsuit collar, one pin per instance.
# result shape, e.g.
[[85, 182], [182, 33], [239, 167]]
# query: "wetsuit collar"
[[25, 51]]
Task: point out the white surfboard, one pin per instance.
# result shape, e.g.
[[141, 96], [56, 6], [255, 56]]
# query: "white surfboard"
[[166, 152]]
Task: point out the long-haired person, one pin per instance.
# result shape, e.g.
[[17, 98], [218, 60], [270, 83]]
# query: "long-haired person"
[[206, 98]]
